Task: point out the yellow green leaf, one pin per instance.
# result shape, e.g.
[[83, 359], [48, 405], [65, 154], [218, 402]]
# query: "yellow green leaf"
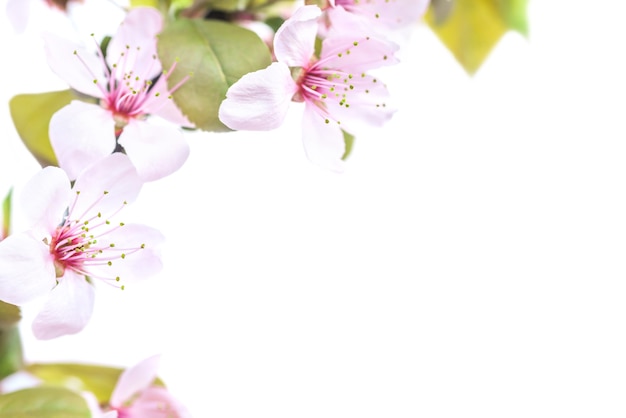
[[471, 28], [148, 3], [216, 54], [10, 315], [43, 402], [11, 352], [31, 115], [99, 380], [6, 216], [349, 141]]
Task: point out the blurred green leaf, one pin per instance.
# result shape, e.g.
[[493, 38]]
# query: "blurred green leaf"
[[11, 352], [229, 5], [150, 3], [162, 5], [349, 140], [31, 115], [99, 380], [514, 14], [6, 215], [216, 54], [43, 402], [275, 22], [9, 315], [471, 28], [180, 4], [440, 10]]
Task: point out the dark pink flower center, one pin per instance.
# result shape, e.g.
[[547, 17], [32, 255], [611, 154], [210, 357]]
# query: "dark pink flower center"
[[327, 87], [128, 94], [75, 244]]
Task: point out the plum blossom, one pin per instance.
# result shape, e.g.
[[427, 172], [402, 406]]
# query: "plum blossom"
[[390, 14], [76, 239], [136, 396], [337, 92], [129, 85]]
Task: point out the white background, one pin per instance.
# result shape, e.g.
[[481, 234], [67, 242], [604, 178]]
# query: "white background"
[[469, 262]]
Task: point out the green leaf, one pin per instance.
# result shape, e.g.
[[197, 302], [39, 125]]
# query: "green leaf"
[[471, 28], [9, 315], [43, 402], [216, 54], [99, 380], [6, 215], [181, 4], [161, 5], [514, 14], [349, 140], [275, 22], [11, 353], [229, 5], [31, 115], [149, 3], [440, 10]]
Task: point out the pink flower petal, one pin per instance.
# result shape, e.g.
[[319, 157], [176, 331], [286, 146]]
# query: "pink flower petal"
[[81, 134], [141, 246], [68, 308], [156, 151], [26, 269], [393, 14], [17, 12], [164, 106], [75, 64], [369, 106], [134, 379], [294, 42], [323, 142], [44, 200], [157, 402], [133, 47], [110, 182], [259, 100], [369, 52]]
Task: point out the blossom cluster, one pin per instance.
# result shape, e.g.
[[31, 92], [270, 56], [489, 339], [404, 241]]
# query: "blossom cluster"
[[338, 94], [125, 127]]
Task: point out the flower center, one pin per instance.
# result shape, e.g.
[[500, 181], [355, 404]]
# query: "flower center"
[[129, 94], [126, 93], [331, 85], [320, 85], [69, 249], [80, 243]]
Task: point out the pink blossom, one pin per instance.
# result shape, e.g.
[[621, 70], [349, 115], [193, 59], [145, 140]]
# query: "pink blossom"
[[75, 239], [130, 85], [136, 396], [391, 14], [336, 91]]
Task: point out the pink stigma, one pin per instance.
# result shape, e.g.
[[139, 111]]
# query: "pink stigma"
[[128, 94], [75, 244]]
